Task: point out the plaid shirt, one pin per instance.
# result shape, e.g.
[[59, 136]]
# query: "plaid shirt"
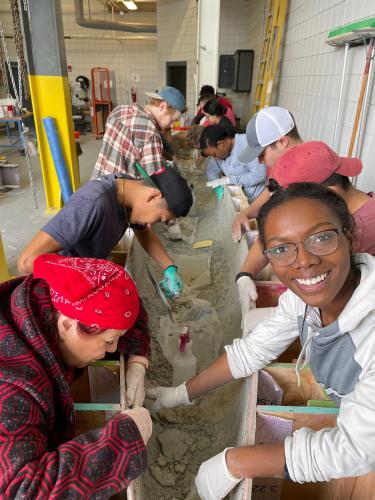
[[131, 135]]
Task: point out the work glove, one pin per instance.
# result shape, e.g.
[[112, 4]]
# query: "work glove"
[[214, 481], [222, 181], [172, 283], [168, 397], [248, 295], [240, 225], [219, 191], [142, 420], [135, 384]]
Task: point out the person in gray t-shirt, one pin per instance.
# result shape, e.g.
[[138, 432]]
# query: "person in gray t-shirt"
[[98, 214]]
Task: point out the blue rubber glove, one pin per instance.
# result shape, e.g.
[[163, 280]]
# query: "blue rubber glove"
[[219, 191], [172, 283]]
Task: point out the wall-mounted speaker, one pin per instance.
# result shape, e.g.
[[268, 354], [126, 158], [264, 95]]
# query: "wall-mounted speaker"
[[243, 70], [226, 71]]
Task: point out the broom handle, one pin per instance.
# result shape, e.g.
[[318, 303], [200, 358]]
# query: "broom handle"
[[361, 96]]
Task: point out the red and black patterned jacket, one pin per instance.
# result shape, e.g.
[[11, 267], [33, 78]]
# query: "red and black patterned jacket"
[[39, 458]]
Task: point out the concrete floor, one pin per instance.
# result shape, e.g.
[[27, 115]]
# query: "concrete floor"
[[19, 220]]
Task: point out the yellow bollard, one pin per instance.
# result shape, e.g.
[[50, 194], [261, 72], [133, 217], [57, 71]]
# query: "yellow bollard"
[[4, 274]]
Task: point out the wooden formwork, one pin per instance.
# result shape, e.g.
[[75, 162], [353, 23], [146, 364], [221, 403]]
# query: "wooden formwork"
[[294, 410]]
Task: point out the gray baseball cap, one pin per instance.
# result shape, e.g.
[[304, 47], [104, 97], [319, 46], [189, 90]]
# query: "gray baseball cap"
[[171, 95], [265, 128]]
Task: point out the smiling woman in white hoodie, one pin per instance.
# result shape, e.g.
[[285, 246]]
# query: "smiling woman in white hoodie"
[[305, 232]]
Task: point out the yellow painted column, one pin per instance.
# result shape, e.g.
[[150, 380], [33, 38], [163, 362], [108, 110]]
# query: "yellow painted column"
[[4, 273], [51, 97], [48, 76]]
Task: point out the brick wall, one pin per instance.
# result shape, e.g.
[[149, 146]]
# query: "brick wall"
[[177, 40], [310, 76]]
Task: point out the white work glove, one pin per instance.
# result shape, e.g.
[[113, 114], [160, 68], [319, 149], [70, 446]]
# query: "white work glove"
[[214, 481], [142, 420], [168, 397], [222, 181], [248, 295], [240, 225], [135, 384]]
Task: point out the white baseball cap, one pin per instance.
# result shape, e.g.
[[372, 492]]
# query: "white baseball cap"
[[265, 128]]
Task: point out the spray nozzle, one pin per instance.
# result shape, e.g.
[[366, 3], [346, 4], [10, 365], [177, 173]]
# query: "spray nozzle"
[[184, 338]]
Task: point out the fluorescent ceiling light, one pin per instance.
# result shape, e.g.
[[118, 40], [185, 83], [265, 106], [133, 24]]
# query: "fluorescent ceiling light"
[[129, 4]]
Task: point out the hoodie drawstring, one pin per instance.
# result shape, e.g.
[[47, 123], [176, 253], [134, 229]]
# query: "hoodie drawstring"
[[304, 349]]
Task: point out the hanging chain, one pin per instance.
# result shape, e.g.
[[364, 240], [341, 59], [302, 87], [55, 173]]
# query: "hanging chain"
[[26, 8], [7, 60], [3, 69], [22, 77], [18, 40], [29, 167]]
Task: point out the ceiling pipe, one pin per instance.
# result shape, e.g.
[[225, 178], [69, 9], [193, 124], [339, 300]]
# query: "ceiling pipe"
[[100, 24], [147, 37]]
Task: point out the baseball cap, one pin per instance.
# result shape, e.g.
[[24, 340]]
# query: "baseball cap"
[[171, 95], [265, 128], [175, 190], [312, 161]]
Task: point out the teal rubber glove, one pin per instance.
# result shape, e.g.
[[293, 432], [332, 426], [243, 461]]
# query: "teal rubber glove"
[[219, 191], [172, 283]]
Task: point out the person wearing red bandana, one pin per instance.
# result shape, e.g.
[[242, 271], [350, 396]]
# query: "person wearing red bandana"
[[71, 312]]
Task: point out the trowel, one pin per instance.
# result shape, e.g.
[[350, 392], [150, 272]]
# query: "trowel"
[[159, 292]]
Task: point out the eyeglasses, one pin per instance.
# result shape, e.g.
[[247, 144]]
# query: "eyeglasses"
[[322, 243]]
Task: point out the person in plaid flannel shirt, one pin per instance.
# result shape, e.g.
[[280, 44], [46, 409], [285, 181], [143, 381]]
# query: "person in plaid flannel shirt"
[[133, 136]]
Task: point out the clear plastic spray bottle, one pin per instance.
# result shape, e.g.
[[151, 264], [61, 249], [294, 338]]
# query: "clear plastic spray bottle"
[[184, 362]]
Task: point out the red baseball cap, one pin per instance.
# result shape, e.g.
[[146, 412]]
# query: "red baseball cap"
[[312, 161], [96, 292]]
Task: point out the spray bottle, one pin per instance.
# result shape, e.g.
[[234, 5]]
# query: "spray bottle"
[[184, 362]]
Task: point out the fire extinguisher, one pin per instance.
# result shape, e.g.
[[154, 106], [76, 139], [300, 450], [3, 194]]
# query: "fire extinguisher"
[[133, 93]]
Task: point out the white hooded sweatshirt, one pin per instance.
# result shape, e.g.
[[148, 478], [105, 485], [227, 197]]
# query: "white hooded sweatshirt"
[[342, 358]]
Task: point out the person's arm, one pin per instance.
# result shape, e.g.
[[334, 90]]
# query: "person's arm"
[[264, 460], [135, 345], [242, 219], [217, 374], [153, 246], [152, 157], [255, 260], [213, 169], [41, 244], [76, 221], [221, 473], [242, 358], [136, 341], [84, 467], [172, 282], [247, 175]]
